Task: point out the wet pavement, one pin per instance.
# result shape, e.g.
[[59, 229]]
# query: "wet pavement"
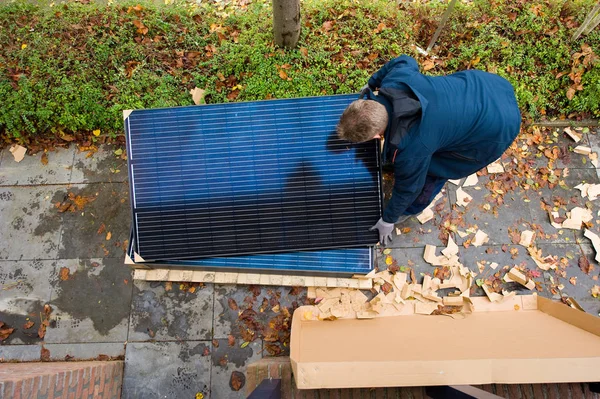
[[64, 227]]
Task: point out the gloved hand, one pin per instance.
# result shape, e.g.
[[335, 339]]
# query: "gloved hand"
[[363, 90], [385, 231]]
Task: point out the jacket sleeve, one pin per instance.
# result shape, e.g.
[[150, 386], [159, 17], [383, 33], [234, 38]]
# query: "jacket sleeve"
[[410, 175], [404, 61]]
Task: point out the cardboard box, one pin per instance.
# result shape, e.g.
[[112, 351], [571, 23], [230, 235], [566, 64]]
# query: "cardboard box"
[[523, 340]]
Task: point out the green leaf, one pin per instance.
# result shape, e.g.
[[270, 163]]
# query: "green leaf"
[[479, 282], [244, 344], [119, 151]]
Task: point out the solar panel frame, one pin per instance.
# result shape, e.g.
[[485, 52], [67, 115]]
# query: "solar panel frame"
[[181, 250]]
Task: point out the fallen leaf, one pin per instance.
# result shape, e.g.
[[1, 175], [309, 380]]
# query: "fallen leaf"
[[232, 304], [168, 286], [45, 355], [23, 46], [427, 65], [108, 236], [101, 228], [237, 381], [28, 325], [573, 280], [64, 273], [584, 264], [304, 51], [5, 331], [231, 340], [42, 328], [119, 151], [67, 137], [327, 25], [44, 159], [282, 74], [244, 344], [96, 132]]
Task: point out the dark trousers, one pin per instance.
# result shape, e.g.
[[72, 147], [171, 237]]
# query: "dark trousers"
[[433, 185]]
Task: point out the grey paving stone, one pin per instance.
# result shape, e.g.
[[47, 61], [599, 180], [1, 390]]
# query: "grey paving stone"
[[102, 167], [227, 360], [85, 231], [167, 369], [164, 312], [24, 290], [577, 284], [31, 225], [20, 353], [91, 303], [245, 311], [31, 170], [486, 214], [562, 199], [480, 259]]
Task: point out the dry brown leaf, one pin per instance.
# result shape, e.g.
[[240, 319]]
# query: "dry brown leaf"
[[64, 273], [237, 381], [231, 340], [282, 74], [5, 331], [101, 228], [232, 304], [45, 355], [427, 65], [28, 325], [108, 236], [304, 51], [44, 159]]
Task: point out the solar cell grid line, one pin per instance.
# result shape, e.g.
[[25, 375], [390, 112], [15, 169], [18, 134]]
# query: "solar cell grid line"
[[325, 262], [254, 177]]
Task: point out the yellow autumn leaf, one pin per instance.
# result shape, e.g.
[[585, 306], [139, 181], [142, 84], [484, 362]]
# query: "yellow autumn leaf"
[[244, 344], [119, 151], [388, 260], [23, 46], [199, 395], [108, 236], [96, 132]]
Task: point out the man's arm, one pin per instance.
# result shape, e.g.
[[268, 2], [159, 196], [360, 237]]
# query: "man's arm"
[[404, 61], [410, 175]]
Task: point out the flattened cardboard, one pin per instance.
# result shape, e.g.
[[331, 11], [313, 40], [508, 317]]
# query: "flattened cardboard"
[[536, 341]]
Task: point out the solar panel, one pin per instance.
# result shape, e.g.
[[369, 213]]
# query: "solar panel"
[[248, 178], [332, 261]]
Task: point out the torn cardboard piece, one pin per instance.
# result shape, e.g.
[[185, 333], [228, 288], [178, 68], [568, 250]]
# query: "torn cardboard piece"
[[576, 217], [595, 242], [495, 167], [425, 216], [583, 150], [18, 152], [573, 134], [462, 198], [451, 249], [480, 238], [526, 238], [472, 180], [515, 275]]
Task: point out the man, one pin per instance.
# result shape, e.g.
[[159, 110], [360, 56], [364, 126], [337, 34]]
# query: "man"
[[435, 129]]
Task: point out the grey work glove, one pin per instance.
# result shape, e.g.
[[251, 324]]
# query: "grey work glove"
[[385, 231], [364, 90]]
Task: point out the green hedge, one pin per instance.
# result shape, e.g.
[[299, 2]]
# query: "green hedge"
[[72, 68]]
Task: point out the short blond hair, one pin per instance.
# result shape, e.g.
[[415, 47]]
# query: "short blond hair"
[[362, 120]]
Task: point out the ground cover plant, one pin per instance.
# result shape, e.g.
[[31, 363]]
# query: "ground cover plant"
[[68, 69]]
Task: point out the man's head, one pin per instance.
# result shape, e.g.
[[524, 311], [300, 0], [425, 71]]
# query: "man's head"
[[363, 120]]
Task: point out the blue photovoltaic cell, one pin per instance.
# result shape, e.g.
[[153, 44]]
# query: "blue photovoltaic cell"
[[248, 178], [349, 260]]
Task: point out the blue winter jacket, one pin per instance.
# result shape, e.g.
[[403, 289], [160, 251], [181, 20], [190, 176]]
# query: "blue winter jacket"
[[464, 122]]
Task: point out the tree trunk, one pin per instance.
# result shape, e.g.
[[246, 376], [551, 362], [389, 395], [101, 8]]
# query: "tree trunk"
[[286, 22]]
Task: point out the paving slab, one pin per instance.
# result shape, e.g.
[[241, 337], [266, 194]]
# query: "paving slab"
[[166, 312], [91, 300], [561, 199], [484, 212], [31, 225], [167, 369], [103, 166], [20, 353], [481, 259], [31, 170], [86, 351], [101, 226], [229, 363], [246, 311], [24, 290]]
